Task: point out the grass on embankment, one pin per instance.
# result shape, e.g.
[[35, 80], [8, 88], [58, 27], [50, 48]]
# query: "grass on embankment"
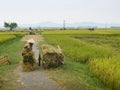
[[75, 76], [13, 49]]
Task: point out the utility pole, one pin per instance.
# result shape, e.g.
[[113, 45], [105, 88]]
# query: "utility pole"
[[64, 25]]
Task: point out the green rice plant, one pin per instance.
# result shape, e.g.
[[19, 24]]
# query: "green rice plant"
[[15, 33], [82, 31], [112, 41], [13, 49], [98, 50], [76, 49], [1, 81], [4, 38], [108, 70]]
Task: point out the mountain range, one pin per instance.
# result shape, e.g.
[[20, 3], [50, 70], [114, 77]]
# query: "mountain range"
[[70, 25]]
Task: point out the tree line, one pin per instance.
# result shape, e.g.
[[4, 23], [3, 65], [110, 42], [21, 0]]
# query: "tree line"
[[11, 26]]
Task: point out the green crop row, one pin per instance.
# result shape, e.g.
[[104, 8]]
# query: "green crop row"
[[78, 32], [4, 38], [11, 33], [97, 49], [76, 49], [108, 70]]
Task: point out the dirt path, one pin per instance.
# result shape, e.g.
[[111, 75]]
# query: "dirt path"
[[35, 80]]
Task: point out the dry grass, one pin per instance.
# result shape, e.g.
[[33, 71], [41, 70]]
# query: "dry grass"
[[51, 56], [28, 66], [36, 38], [4, 60]]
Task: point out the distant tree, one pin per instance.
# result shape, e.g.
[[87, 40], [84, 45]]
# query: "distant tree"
[[11, 26], [91, 29]]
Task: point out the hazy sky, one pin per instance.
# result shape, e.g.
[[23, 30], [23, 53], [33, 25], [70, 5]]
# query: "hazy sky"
[[35, 11]]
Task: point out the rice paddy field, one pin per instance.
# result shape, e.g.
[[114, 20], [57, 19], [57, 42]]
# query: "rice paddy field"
[[13, 33], [92, 60], [11, 46], [4, 38], [98, 50]]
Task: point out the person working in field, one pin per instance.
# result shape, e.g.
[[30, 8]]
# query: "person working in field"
[[28, 46], [30, 30], [31, 42], [29, 61]]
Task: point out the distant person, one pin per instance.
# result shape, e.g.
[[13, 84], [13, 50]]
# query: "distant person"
[[30, 30]]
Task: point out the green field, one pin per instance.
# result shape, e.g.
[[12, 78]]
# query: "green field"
[[98, 49], [4, 38], [92, 60], [13, 33], [12, 48]]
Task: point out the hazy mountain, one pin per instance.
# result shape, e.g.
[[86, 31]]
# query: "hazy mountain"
[[86, 25], [76, 25], [43, 24]]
